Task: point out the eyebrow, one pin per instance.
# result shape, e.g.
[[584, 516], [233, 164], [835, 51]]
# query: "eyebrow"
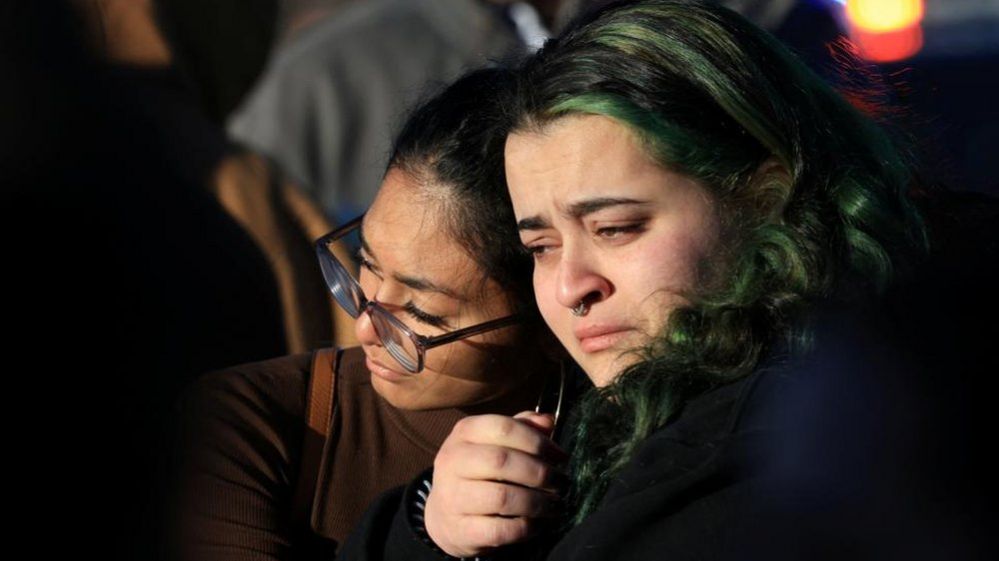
[[426, 285], [416, 283], [578, 210]]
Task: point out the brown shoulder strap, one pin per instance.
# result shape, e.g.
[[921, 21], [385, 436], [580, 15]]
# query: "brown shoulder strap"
[[318, 417]]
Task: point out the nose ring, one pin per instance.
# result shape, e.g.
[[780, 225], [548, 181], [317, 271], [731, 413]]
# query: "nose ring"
[[580, 309]]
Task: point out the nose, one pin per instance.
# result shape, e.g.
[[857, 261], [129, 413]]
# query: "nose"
[[579, 279], [364, 330]]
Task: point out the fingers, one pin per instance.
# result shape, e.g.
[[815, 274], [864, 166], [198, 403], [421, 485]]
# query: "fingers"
[[495, 482], [515, 433], [470, 536], [502, 499], [543, 422], [493, 531], [498, 463]]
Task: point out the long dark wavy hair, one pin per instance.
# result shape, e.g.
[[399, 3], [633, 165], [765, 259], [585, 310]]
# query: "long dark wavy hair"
[[813, 190]]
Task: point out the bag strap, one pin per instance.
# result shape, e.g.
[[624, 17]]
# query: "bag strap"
[[318, 418]]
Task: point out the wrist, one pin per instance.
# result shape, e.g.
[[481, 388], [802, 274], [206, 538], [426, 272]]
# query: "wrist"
[[416, 506]]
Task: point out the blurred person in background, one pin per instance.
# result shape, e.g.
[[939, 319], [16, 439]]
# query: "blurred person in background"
[[349, 68], [296, 15], [191, 66], [331, 94], [155, 250], [136, 279], [217, 50]]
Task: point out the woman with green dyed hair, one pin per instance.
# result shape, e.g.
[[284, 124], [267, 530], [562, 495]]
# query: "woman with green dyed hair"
[[694, 198]]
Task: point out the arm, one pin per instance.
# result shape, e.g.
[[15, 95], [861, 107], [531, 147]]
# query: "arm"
[[493, 484], [237, 452]]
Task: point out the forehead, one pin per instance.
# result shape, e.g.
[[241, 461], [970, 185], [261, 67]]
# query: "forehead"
[[405, 232], [577, 156]]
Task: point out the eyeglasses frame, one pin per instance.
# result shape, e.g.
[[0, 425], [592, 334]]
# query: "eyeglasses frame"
[[422, 343]]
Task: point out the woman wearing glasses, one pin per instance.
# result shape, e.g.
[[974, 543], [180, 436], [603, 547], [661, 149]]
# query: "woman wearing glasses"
[[447, 327]]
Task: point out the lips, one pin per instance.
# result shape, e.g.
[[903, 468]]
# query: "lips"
[[382, 371], [597, 337]]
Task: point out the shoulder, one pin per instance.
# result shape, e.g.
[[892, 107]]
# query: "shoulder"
[[277, 384], [238, 438], [684, 488], [254, 412], [238, 444]]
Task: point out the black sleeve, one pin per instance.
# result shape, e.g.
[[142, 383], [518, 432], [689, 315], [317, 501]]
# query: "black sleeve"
[[386, 532], [392, 530]]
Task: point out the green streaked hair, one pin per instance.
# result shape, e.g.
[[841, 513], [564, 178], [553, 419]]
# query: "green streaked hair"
[[814, 192]]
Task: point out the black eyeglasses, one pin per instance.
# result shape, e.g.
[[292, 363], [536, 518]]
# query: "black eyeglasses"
[[406, 346]]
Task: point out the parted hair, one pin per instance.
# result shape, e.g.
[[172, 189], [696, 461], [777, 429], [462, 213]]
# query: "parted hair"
[[452, 144]]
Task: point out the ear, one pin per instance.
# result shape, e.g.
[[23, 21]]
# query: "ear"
[[771, 165], [770, 188]]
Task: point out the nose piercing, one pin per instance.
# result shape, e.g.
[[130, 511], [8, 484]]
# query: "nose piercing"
[[580, 309]]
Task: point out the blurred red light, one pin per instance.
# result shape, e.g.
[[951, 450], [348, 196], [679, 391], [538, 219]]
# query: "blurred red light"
[[888, 46]]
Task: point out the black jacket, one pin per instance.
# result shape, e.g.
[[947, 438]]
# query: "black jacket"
[[842, 454], [686, 484]]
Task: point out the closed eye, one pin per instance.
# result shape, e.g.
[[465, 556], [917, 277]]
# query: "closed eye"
[[424, 317]]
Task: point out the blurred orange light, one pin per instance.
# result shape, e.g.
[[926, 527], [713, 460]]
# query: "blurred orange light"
[[889, 46], [884, 15]]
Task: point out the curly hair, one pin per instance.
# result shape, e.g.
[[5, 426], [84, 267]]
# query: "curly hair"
[[814, 191]]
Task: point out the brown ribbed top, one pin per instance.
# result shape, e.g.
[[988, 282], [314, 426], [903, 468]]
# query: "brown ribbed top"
[[239, 448], [372, 447]]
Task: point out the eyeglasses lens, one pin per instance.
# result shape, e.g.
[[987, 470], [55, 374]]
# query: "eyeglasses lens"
[[343, 287], [397, 343]]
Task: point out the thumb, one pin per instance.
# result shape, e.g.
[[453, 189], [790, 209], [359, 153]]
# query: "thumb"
[[543, 422]]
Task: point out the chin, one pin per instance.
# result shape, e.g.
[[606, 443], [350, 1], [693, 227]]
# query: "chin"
[[604, 367], [596, 370], [414, 395], [400, 395], [602, 375]]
